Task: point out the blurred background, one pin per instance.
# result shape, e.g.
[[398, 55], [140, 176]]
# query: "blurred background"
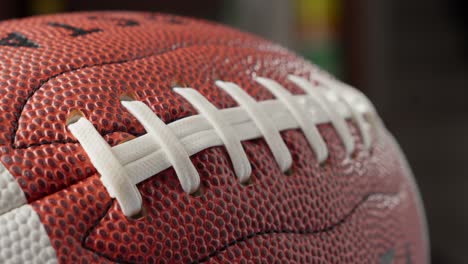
[[409, 57]]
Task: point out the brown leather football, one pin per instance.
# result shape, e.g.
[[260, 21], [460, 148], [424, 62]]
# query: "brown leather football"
[[131, 137]]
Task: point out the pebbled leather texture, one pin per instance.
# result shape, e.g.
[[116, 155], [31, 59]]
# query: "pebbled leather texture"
[[358, 209]]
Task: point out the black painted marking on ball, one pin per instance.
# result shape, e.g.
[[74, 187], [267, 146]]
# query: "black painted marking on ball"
[[174, 20], [121, 22], [167, 19], [76, 31], [127, 23], [16, 39]]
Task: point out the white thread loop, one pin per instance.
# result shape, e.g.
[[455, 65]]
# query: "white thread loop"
[[348, 95], [305, 123], [263, 122], [224, 130], [114, 176], [170, 144], [319, 99]]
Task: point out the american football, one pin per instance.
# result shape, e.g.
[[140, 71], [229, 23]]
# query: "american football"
[[131, 137]]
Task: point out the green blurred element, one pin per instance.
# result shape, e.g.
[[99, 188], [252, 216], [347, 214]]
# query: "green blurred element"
[[327, 55], [318, 30], [325, 12]]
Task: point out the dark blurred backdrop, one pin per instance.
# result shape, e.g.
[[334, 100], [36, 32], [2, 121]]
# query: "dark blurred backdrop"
[[409, 57]]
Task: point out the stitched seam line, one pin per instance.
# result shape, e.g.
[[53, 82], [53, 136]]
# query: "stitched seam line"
[[43, 82], [243, 239], [296, 232]]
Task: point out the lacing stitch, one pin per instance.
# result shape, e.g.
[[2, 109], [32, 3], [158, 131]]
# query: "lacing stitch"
[[223, 129], [264, 123], [125, 165], [114, 176], [165, 137], [299, 113]]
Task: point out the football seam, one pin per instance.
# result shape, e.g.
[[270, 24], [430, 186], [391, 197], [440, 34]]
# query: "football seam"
[[19, 112], [247, 237], [298, 232]]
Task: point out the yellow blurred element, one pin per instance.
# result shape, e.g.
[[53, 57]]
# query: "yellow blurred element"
[[318, 13], [47, 6], [318, 31]]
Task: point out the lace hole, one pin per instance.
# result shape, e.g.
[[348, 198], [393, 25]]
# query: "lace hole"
[[127, 97], [289, 172], [74, 116], [323, 164], [198, 192], [138, 215], [247, 182]]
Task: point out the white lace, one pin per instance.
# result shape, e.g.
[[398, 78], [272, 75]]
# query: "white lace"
[[224, 130], [123, 166], [263, 122]]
